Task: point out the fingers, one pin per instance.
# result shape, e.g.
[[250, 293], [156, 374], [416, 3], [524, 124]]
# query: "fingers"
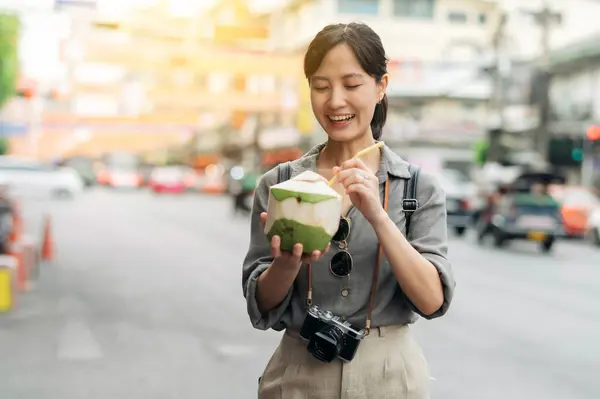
[[355, 163], [357, 176], [263, 217], [315, 255], [358, 188], [352, 167], [311, 258], [297, 252], [275, 250]]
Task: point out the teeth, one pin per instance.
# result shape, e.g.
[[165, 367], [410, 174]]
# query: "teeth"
[[341, 118]]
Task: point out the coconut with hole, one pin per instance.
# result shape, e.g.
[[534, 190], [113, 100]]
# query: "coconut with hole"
[[303, 210]]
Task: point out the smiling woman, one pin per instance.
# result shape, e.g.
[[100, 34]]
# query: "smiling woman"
[[346, 307]]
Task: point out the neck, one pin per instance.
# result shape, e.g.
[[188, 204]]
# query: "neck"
[[336, 153]]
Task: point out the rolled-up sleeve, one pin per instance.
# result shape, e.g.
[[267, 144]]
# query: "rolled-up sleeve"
[[258, 259], [429, 236]]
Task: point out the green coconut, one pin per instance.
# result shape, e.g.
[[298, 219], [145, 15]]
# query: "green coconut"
[[303, 210]]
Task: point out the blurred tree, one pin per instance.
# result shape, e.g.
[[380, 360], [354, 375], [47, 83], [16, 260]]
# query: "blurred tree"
[[481, 150], [3, 146], [9, 62]]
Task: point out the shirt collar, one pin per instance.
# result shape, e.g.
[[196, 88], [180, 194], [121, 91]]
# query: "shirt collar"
[[391, 163]]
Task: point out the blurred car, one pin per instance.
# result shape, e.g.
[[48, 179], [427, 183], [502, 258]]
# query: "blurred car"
[[458, 204], [523, 210], [594, 223], [172, 179], [145, 171], [84, 166], [122, 177], [31, 178], [474, 201], [577, 206], [213, 180]]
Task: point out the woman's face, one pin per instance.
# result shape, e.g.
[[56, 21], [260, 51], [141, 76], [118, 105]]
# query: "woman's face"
[[344, 96]]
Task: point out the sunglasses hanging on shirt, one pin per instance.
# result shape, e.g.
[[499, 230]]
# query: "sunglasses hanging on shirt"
[[341, 263]]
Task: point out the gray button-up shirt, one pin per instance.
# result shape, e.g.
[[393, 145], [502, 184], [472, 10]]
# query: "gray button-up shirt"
[[428, 235]]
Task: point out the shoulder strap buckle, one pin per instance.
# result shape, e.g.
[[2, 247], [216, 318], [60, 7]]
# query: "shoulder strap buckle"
[[409, 205], [409, 202]]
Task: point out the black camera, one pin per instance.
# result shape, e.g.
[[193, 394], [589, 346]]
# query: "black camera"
[[329, 336]]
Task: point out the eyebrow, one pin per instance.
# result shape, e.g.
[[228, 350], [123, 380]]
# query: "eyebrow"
[[346, 76]]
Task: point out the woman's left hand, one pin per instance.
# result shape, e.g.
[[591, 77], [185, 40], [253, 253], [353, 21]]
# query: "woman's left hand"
[[362, 186]]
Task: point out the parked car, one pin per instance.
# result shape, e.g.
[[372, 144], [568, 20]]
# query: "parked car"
[[523, 210], [458, 204], [84, 166], [173, 179], [32, 178], [122, 177], [594, 224], [577, 204]]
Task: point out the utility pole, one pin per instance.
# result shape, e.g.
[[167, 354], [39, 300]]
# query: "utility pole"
[[545, 19], [496, 132]]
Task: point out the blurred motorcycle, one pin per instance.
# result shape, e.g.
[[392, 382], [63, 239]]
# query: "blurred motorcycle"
[[242, 191]]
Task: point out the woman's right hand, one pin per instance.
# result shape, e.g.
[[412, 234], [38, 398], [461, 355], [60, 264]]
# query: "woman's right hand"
[[291, 259]]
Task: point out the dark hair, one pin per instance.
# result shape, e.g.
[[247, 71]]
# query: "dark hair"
[[369, 51]]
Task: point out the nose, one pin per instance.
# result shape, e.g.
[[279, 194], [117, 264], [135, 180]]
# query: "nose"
[[338, 98]]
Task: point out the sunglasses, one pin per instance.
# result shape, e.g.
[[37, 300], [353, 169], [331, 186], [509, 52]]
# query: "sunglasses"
[[341, 263]]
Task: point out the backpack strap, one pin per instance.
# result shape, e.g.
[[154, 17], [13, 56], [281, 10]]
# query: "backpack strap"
[[409, 202], [284, 172]]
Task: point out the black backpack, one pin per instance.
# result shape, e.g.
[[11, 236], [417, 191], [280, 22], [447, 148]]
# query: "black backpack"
[[409, 203]]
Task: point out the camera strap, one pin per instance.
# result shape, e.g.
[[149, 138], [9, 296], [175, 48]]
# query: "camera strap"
[[375, 271]]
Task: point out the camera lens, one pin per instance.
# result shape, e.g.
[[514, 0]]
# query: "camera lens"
[[326, 344]]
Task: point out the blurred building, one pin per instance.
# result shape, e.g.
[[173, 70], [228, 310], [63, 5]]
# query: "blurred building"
[[574, 110], [438, 92], [152, 82], [206, 75], [542, 45], [570, 24]]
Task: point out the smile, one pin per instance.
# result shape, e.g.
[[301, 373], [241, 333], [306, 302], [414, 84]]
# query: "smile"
[[341, 118]]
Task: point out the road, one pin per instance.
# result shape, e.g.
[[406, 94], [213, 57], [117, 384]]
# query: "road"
[[144, 301]]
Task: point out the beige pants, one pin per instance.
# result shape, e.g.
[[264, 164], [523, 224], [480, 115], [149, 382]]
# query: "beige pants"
[[389, 364]]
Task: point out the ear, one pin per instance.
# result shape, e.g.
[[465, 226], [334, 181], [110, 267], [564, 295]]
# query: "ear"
[[382, 86]]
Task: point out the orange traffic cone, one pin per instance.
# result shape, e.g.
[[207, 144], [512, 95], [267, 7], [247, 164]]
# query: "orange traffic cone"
[[21, 267], [48, 245], [17, 224]]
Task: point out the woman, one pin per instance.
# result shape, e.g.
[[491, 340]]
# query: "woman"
[[346, 69]]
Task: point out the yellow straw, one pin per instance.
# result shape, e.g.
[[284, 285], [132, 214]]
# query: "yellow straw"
[[358, 155]]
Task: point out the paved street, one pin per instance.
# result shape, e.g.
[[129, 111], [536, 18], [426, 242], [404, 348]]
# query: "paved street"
[[144, 301]]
